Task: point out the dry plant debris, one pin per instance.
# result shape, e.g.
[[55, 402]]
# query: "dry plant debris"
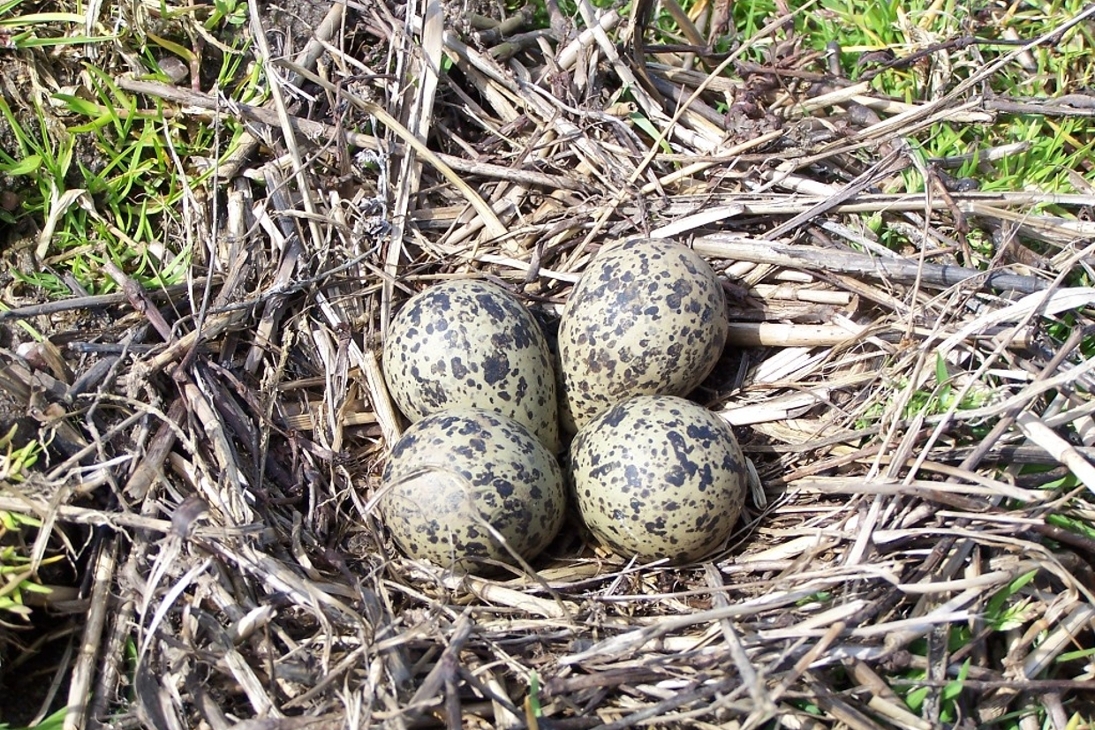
[[919, 420]]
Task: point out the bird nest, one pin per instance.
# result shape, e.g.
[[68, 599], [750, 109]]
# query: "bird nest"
[[916, 413]]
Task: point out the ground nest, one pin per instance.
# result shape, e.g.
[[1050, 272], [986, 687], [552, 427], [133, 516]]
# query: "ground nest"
[[916, 412]]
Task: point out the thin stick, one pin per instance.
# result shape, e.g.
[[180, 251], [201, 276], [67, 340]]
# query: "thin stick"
[[846, 262], [84, 668]]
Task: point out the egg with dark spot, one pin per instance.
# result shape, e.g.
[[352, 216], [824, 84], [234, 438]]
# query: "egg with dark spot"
[[648, 317], [467, 343], [461, 481], [659, 477]]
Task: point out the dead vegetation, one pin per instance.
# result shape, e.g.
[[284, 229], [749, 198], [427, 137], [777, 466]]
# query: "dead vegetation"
[[216, 444]]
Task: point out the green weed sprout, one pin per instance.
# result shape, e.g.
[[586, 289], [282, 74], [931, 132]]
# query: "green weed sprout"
[[54, 722], [16, 575]]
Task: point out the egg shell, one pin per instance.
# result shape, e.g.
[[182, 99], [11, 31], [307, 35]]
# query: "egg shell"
[[648, 317], [455, 472], [659, 477], [470, 343]]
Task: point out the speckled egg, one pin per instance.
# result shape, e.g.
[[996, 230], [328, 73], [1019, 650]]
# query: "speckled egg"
[[648, 317], [469, 343], [659, 477], [456, 475]]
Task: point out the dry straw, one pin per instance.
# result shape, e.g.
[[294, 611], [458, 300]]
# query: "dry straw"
[[235, 548]]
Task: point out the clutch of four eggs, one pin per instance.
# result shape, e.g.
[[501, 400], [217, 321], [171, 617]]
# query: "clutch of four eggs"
[[475, 477]]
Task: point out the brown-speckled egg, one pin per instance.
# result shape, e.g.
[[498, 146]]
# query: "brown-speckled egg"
[[648, 317], [456, 475], [471, 344], [659, 477]]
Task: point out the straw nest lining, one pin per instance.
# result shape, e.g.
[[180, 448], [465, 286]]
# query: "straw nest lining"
[[246, 567]]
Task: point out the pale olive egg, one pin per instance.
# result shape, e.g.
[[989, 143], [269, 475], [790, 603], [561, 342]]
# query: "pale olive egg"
[[659, 477], [471, 344], [460, 479], [648, 317]]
